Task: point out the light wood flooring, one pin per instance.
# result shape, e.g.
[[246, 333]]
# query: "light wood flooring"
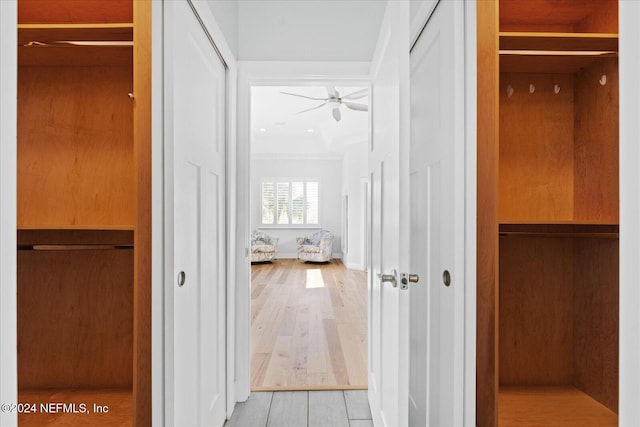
[[118, 403], [308, 326], [552, 407], [349, 408]]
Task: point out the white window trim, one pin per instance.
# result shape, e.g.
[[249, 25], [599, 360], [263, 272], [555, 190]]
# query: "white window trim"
[[290, 180]]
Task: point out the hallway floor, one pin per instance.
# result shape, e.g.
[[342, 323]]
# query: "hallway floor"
[[349, 408], [308, 326]]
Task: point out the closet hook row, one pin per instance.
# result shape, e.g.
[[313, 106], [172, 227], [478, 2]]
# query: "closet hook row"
[[556, 87]]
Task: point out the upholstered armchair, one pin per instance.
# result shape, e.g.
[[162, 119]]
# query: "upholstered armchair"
[[316, 247], [263, 247]]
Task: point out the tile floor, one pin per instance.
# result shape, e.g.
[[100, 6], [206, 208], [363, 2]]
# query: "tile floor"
[[348, 408]]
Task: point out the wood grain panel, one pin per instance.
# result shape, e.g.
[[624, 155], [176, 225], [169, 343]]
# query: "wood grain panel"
[[545, 63], [487, 215], [572, 15], [75, 151], [117, 401], [552, 407], [596, 196], [142, 239], [75, 237], [536, 311], [558, 41], [596, 319], [80, 56], [536, 148], [602, 20], [73, 11], [75, 319]]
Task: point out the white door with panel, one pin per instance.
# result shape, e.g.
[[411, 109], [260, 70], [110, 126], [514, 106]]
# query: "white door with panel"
[[437, 180], [196, 101], [388, 305]]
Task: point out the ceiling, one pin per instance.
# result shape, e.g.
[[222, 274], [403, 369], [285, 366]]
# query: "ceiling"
[[276, 128]]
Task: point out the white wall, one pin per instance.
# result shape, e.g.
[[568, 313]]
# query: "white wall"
[[8, 328], [629, 375], [310, 30], [354, 171], [329, 172], [226, 15]]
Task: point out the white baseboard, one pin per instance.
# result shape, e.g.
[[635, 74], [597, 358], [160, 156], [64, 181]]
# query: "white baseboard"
[[294, 255], [354, 266]]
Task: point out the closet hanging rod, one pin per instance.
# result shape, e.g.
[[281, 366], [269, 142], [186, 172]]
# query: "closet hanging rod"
[[595, 53], [78, 247], [551, 234], [78, 43]]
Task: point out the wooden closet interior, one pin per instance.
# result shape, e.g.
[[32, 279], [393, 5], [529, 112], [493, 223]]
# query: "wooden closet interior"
[[84, 211], [547, 213]]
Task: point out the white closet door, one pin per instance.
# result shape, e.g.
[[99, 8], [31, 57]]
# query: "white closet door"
[[437, 206], [197, 103]]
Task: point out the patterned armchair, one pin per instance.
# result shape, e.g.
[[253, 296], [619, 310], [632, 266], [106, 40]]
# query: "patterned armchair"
[[316, 247], [263, 247]]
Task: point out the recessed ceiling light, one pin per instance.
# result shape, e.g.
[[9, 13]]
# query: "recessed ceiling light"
[[310, 130], [262, 130]]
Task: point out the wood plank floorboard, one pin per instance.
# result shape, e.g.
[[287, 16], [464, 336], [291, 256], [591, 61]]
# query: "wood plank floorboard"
[[300, 409], [118, 402], [308, 326]]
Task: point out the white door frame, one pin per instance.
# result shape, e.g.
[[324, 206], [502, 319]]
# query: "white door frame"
[[163, 225], [267, 73], [629, 371], [8, 164]]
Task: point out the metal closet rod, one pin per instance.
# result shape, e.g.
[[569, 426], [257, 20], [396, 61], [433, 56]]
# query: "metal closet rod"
[[75, 43], [77, 247]]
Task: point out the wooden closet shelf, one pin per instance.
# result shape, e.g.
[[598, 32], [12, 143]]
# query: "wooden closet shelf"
[[564, 64], [559, 230], [50, 33], [559, 42], [69, 239]]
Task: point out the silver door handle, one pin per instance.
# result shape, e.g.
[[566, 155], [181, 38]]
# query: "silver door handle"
[[406, 278], [181, 278], [390, 278]]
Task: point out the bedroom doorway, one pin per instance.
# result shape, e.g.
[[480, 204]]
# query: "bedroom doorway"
[[308, 171]]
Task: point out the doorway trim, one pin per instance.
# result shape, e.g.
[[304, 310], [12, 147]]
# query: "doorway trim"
[[8, 188], [267, 73]]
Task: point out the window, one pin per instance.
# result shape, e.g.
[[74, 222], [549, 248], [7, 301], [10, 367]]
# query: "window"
[[290, 202]]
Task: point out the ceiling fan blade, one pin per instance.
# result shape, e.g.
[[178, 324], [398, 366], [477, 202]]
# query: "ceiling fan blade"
[[336, 114], [357, 94], [314, 108], [332, 92], [357, 107], [303, 96]]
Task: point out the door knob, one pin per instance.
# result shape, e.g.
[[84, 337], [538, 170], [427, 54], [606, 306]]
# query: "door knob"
[[391, 278], [181, 278], [406, 278]]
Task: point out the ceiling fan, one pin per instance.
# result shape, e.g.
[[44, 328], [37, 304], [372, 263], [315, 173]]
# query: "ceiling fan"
[[334, 101]]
